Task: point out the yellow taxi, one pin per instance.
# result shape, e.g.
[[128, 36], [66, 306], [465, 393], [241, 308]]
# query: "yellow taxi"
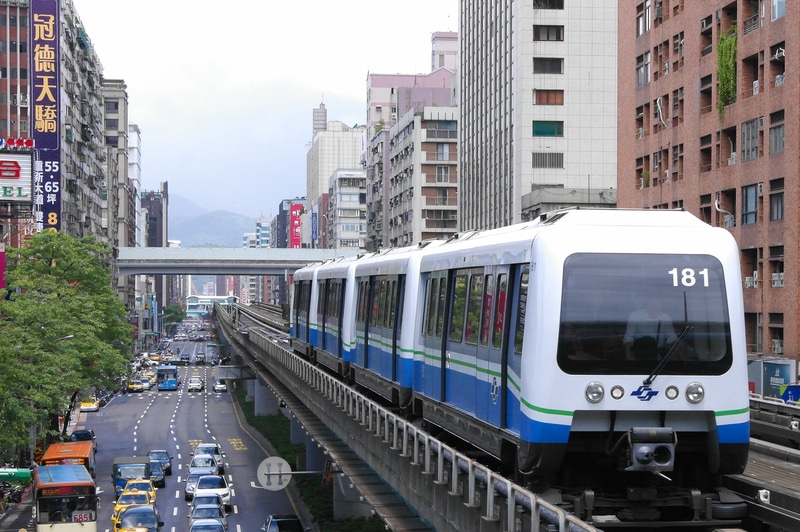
[[129, 498], [135, 385], [89, 404], [141, 484]]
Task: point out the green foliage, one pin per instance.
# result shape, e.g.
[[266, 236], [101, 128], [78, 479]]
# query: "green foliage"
[[726, 70], [64, 331], [317, 496], [173, 315]]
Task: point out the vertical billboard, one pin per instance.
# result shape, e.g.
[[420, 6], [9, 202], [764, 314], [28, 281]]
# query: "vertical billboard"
[[295, 234], [45, 119]]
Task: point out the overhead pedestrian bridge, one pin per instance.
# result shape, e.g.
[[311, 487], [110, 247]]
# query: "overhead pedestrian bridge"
[[221, 261]]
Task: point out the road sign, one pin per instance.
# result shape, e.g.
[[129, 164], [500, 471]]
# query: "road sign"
[[274, 473]]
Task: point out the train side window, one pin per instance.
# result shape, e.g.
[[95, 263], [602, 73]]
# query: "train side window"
[[499, 311], [363, 302], [486, 319], [376, 303], [321, 302], [459, 305], [430, 309], [474, 300], [522, 303], [393, 304], [442, 299]]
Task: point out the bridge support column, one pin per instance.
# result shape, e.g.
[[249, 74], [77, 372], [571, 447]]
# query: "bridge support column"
[[296, 432], [315, 455], [266, 403], [250, 387]]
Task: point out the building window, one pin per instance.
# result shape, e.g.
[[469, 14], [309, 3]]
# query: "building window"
[[112, 106], [643, 18], [548, 97], [778, 9], [548, 33], [442, 174], [442, 152], [547, 160], [749, 205], [776, 200], [750, 140], [548, 4], [643, 69], [112, 141], [776, 132], [548, 128], [112, 123], [548, 65]]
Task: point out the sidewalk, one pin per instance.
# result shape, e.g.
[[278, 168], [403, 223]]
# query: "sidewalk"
[[18, 517]]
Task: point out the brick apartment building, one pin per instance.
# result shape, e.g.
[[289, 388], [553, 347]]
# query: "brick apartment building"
[[708, 104]]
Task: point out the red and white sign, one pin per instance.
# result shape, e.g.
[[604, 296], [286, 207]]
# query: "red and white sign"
[[16, 177]]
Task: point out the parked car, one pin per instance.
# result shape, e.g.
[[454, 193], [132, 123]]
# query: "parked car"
[[283, 523]]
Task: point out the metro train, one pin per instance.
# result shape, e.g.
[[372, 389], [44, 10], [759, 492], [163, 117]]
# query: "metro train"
[[599, 351]]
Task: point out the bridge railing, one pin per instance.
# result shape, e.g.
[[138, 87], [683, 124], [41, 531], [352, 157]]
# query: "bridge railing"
[[444, 463]]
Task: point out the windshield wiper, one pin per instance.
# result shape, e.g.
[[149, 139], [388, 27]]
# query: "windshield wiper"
[[663, 362]]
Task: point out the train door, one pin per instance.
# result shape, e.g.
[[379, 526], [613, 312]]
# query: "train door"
[[362, 322], [331, 338], [301, 311], [465, 297], [428, 366], [514, 332], [396, 322], [491, 369], [380, 332]]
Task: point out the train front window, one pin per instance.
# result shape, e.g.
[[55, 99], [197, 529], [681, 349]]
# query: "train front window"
[[622, 313]]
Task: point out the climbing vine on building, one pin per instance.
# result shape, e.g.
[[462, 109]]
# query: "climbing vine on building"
[[726, 70]]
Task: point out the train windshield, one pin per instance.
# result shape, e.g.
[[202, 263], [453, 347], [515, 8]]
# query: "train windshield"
[[623, 313]]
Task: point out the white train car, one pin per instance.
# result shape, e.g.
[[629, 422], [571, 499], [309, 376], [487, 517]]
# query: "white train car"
[[598, 349]]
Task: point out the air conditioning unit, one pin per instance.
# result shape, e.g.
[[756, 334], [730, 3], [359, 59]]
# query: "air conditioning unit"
[[393, 116], [760, 122], [755, 87], [779, 79], [732, 159], [729, 221], [761, 189], [777, 346], [751, 282], [640, 133], [666, 175], [777, 280], [780, 53], [641, 183], [703, 24]]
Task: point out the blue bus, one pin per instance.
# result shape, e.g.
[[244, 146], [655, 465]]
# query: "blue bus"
[[167, 378]]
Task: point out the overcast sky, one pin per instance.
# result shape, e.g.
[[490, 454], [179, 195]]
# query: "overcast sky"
[[223, 92]]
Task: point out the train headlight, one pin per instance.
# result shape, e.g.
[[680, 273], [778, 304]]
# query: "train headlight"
[[695, 393], [672, 393], [617, 391], [594, 392]]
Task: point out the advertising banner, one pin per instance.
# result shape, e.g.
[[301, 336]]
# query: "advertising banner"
[[45, 119], [16, 178]]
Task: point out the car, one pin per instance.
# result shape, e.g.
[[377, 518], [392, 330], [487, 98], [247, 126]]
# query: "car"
[[84, 435], [214, 450], [206, 525], [129, 498], [135, 385], [146, 383], [209, 498], [214, 484], [146, 516], [163, 456], [89, 404], [282, 523], [185, 359], [195, 385], [141, 484], [209, 511], [204, 464], [189, 486], [157, 475], [200, 359], [220, 386]]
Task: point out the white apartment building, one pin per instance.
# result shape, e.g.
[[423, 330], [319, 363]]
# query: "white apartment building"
[[538, 103]]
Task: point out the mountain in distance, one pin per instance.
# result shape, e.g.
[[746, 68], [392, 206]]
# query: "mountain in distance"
[[195, 226]]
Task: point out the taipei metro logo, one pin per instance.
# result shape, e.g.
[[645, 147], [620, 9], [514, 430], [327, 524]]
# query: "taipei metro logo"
[[644, 393]]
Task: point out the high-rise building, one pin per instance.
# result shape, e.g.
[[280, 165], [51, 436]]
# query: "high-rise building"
[[538, 104], [344, 219], [706, 88], [390, 98]]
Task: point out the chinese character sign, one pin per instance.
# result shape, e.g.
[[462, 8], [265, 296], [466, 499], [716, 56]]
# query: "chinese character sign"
[[46, 114], [295, 236]]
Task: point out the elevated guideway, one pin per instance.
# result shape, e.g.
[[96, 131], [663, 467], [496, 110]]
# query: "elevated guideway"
[[221, 261]]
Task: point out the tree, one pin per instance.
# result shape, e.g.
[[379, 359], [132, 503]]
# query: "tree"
[[64, 332], [173, 315]]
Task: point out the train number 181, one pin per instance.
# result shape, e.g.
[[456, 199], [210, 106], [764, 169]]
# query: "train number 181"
[[688, 276]]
